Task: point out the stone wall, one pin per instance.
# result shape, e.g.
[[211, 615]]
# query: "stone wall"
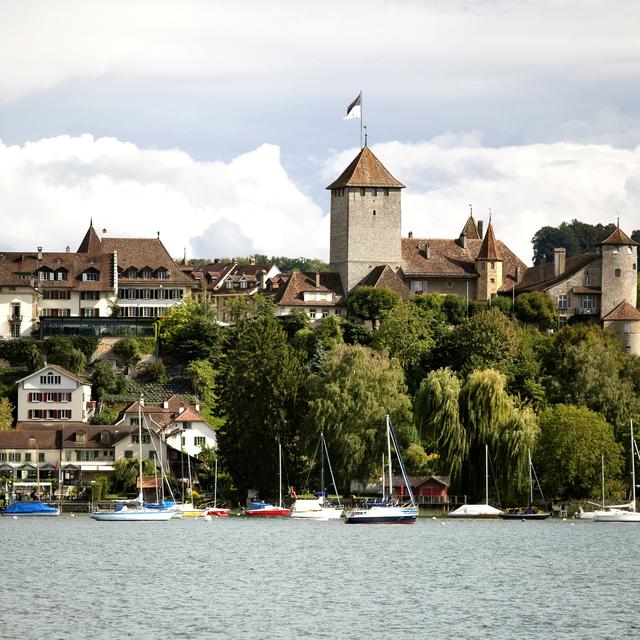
[[619, 276], [628, 332]]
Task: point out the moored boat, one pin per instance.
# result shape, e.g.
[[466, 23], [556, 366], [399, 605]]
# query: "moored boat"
[[529, 512], [387, 510], [23, 508], [265, 509]]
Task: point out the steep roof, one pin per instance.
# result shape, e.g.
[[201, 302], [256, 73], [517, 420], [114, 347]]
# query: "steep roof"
[[91, 242], [8, 279], [302, 282], [619, 237], [624, 311], [488, 250], [449, 259], [470, 229], [366, 170], [384, 277], [59, 369], [542, 276]]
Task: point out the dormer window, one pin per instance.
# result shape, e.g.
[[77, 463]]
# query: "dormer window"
[[61, 274], [243, 284], [91, 275], [50, 378], [132, 273], [146, 274], [162, 274], [80, 436], [228, 284], [46, 275]]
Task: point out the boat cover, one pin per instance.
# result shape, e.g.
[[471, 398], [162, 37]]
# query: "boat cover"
[[33, 506], [475, 510]]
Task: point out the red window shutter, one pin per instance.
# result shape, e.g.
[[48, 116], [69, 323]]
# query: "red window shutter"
[[29, 414]]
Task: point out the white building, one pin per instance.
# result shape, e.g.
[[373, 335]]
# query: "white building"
[[17, 305]]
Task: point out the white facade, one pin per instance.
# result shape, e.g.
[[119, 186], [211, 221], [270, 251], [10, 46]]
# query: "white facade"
[[17, 311], [54, 394], [191, 436]]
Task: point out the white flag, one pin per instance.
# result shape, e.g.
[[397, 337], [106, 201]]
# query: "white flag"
[[354, 110]]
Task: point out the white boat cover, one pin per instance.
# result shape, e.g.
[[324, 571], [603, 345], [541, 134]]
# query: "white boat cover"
[[475, 511], [307, 505]]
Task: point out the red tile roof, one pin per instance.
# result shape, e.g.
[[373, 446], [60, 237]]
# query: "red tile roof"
[[301, 281], [91, 242], [366, 170], [470, 229], [619, 237], [384, 277], [624, 311], [488, 250]]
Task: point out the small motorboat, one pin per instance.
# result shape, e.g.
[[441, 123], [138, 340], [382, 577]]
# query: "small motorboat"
[[530, 513], [265, 509], [30, 508], [216, 512]]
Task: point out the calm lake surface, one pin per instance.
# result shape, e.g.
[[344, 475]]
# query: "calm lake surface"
[[241, 578]]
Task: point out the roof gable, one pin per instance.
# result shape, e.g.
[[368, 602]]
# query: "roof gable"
[[366, 170], [91, 242], [619, 237], [489, 250], [57, 369], [624, 311]]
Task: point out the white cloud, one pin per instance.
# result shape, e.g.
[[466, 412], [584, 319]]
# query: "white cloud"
[[451, 49], [526, 187], [49, 190]]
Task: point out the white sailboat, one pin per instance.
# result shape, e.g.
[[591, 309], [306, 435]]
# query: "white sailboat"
[[615, 514], [387, 511], [530, 512], [479, 510], [134, 510], [318, 509], [588, 515]]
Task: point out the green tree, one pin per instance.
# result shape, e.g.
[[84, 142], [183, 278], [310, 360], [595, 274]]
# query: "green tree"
[[203, 379], [104, 382], [23, 352], [349, 401], [6, 414], [60, 350], [261, 398], [455, 309], [536, 308], [568, 454], [371, 303], [124, 478], [127, 351], [190, 331]]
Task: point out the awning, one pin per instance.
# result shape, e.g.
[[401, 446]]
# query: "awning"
[[93, 467], [6, 467], [27, 466]]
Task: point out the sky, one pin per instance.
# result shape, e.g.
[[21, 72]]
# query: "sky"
[[219, 124]]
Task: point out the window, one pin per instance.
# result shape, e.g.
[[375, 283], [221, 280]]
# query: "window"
[[80, 436], [199, 441], [27, 457], [14, 457], [61, 275], [186, 425], [617, 273], [228, 284], [587, 303], [562, 321], [128, 453], [67, 456], [90, 295], [492, 280], [15, 330], [50, 378], [587, 279], [616, 251], [162, 274], [91, 276], [562, 302], [146, 294], [374, 212], [146, 274], [40, 457], [45, 275], [132, 273], [627, 327], [183, 441], [243, 284], [134, 421], [375, 191], [362, 191], [386, 192]]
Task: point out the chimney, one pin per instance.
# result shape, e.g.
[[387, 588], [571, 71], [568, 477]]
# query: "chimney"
[[165, 404], [411, 234], [39, 253], [463, 240], [559, 261], [180, 409], [67, 248], [518, 275], [216, 261], [480, 228], [317, 279], [197, 407], [141, 400], [427, 250]]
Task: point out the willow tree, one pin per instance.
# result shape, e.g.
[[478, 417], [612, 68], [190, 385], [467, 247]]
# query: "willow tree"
[[461, 420], [348, 402]]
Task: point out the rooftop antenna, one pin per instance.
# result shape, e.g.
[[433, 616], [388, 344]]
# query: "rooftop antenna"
[[489, 215], [185, 255], [158, 234], [364, 126], [471, 210], [618, 223]]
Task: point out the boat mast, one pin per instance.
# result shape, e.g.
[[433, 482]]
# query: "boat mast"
[[530, 479], [633, 472], [140, 498], [389, 455], [215, 485], [486, 474], [279, 474], [383, 476], [603, 481], [322, 466]]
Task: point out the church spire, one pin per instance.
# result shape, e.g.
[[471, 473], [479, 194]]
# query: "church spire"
[[489, 248], [91, 242]]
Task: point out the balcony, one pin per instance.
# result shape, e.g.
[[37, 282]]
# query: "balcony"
[[14, 318]]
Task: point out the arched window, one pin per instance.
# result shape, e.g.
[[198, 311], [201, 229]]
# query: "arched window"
[[617, 273]]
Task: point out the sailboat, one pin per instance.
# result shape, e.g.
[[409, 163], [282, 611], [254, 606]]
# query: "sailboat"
[[215, 510], [614, 514], [588, 515], [261, 508], [484, 510], [134, 510], [319, 509], [387, 511], [530, 512]]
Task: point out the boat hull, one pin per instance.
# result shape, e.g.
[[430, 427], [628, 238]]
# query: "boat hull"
[[616, 516], [322, 514], [475, 511], [151, 515], [217, 513], [525, 516], [267, 513], [382, 515]]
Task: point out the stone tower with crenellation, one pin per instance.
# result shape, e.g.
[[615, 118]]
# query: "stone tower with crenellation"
[[365, 219]]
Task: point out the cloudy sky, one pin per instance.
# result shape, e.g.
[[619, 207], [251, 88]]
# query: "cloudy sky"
[[218, 124]]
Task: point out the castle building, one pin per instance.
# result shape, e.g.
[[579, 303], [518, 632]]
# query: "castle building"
[[366, 217]]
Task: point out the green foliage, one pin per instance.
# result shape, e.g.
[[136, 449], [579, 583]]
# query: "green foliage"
[[6, 414], [86, 344], [454, 309], [22, 352], [293, 322], [371, 303], [127, 351], [205, 467], [106, 416], [536, 308], [503, 304], [125, 475], [575, 236], [203, 378], [190, 331], [568, 455], [356, 333], [105, 382], [99, 488], [261, 398], [146, 344], [60, 350], [349, 401]]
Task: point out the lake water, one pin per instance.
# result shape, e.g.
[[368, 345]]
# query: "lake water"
[[242, 578]]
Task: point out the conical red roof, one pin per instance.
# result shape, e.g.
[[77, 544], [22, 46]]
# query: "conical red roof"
[[619, 237], [489, 249], [624, 311], [470, 229], [366, 171], [91, 242]]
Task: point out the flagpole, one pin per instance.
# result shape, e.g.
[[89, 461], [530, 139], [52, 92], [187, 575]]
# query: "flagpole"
[[361, 119]]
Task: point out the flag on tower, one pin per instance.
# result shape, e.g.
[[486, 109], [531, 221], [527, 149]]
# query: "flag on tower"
[[354, 110]]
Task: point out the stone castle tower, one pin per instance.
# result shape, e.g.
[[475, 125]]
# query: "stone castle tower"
[[489, 267], [619, 271], [365, 219]]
